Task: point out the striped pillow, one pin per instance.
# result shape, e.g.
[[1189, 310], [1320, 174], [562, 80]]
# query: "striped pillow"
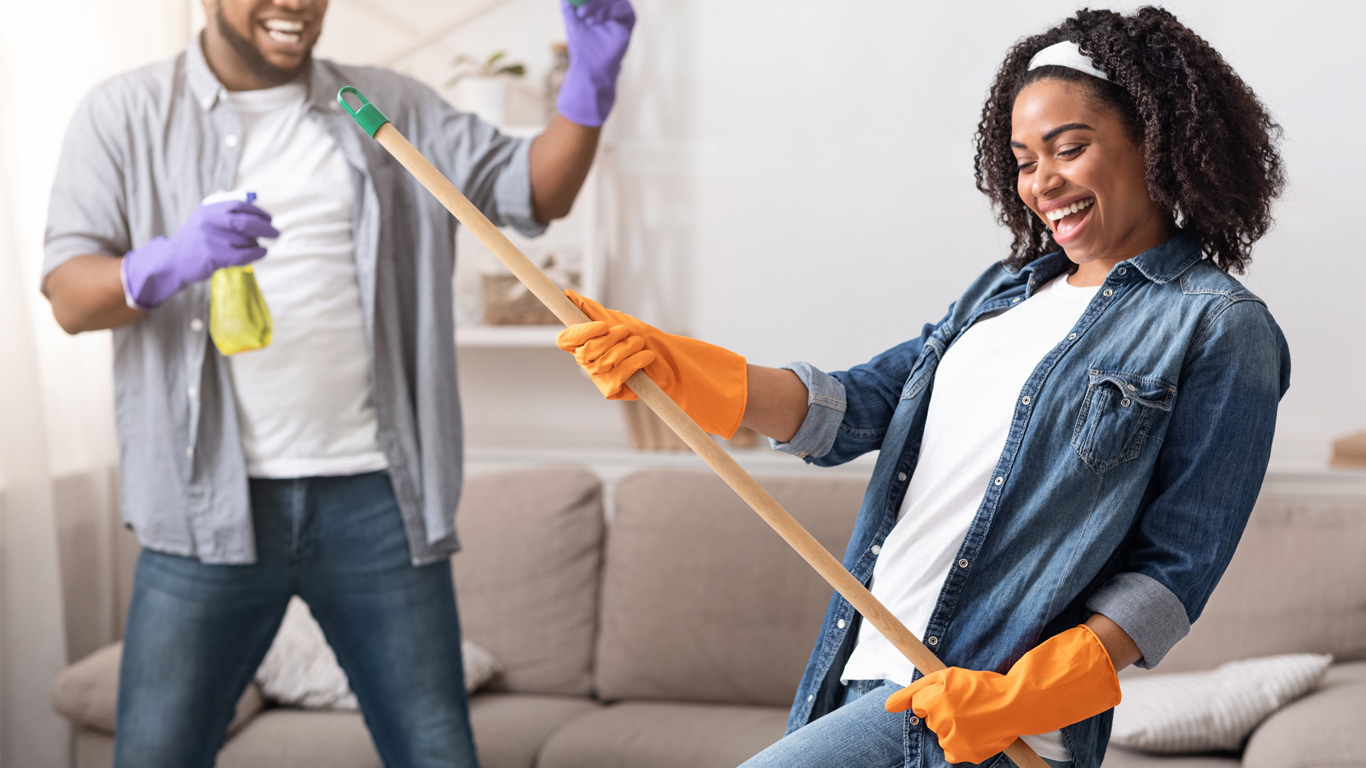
[[1214, 709]]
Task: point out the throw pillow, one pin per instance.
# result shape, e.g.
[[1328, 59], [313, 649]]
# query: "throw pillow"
[[301, 670], [1213, 709]]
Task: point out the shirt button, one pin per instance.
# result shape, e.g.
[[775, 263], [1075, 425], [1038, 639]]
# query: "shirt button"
[[840, 624], [810, 698], [1071, 335], [875, 549], [230, 140], [1108, 292], [189, 450], [963, 563], [1000, 480], [1015, 300], [1025, 399], [901, 476], [1122, 270], [915, 720], [194, 392], [1126, 402], [932, 640], [196, 325]]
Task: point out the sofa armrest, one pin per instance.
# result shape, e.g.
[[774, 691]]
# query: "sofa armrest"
[[1320, 729], [87, 693]]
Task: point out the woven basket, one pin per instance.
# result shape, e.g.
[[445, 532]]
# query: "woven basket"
[[508, 302]]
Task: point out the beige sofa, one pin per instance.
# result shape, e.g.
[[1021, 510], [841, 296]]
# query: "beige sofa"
[[674, 635]]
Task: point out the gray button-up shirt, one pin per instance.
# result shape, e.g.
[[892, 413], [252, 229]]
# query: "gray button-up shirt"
[[141, 152]]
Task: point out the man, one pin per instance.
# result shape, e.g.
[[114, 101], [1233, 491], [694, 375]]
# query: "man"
[[327, 464]]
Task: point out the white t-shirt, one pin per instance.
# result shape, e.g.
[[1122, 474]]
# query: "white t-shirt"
[[976, 390], [304, 402]]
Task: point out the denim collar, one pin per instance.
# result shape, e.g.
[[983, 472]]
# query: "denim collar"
[[208, 91], [1160, 264]]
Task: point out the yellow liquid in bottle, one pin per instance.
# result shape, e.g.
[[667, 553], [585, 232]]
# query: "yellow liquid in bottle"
[[238, 318]]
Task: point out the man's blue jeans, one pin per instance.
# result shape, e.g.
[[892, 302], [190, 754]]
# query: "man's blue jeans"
[[196, 633], [860, 734]]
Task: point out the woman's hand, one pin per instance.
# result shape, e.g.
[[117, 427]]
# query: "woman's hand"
[[1065, 680], [709, 383]]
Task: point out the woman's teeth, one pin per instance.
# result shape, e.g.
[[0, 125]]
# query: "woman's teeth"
[[1058, 213], [284, 31]]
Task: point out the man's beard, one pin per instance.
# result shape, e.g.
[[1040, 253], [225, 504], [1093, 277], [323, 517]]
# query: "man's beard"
[[256, 63]]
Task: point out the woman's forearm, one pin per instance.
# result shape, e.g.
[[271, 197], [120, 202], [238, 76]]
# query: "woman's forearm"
[[776, 402]]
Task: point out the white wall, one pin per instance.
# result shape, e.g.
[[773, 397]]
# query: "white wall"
[[800, 187]]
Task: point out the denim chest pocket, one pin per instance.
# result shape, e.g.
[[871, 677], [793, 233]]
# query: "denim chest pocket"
[[1116, 416]]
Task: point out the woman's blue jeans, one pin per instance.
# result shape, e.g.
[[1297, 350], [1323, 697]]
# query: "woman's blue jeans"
[[196, 633], [860, 734]]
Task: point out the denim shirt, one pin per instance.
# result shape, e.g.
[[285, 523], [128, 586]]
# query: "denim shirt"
[[1136, 450]]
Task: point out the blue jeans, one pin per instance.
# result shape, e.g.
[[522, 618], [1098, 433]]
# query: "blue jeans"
[[861, 733], [196, 632]]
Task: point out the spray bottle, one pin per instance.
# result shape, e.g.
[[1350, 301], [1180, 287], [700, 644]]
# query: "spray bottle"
[[238, 318]]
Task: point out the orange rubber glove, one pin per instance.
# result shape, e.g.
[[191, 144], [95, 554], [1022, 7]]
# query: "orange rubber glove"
[[1065, 680], [709, 383]]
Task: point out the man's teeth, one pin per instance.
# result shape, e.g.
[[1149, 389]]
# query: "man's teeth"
[[284, 31], [1054, 215]]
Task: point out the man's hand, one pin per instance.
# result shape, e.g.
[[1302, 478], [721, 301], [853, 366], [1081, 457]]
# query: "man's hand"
[[598, 32], [1065, 680], [216, 235]]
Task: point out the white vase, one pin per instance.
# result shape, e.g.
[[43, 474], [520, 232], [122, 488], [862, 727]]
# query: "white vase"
[[484, 96]]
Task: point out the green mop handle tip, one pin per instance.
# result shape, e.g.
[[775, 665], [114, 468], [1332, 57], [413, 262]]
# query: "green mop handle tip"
[[368, 117]]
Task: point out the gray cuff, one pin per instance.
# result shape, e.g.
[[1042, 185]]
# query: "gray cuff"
[[512, 193], [825, 410], [1148, 612]]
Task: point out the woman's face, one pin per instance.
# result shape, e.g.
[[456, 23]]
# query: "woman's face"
[[1082, 174]]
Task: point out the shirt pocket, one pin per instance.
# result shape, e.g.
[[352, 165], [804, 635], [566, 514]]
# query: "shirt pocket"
[[1116, 416]]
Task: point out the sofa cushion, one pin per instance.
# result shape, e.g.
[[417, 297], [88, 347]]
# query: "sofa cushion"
[[526, 578], [661, 735], [1214, 709], [510, 728], [301, 739], [701, 600], [87, 693], [1321, 729], [1294, 586], [1117, 757]]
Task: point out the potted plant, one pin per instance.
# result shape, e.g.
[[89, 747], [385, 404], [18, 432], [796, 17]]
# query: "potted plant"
[[484, 85]]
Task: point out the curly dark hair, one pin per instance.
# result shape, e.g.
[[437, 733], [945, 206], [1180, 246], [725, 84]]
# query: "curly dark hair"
[[1209, 145]]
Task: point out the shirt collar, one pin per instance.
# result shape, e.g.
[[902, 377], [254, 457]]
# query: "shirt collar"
[[1161, 264], [208, 91]]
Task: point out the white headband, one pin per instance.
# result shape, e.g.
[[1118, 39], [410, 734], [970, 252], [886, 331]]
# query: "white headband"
[[1066, 54]]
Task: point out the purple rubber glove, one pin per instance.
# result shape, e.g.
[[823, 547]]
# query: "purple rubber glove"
[[216, 235], [598, 32]]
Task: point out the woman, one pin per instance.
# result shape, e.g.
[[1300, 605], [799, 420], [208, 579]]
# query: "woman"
[[1068, 458]]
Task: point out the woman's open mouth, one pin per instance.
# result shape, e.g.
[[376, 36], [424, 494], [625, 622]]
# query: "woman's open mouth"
[[1068, 221]]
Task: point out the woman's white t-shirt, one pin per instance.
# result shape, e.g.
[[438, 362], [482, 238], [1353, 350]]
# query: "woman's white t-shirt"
[[977, 388]]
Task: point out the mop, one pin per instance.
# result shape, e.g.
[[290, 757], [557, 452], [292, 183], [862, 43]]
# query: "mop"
[[373, 122]]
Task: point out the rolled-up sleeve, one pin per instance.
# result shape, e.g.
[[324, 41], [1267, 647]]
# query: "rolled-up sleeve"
[[1208, 474], [825, 405], [87, 210]]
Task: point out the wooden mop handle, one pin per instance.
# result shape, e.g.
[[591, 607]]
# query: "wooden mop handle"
[[649, 392]]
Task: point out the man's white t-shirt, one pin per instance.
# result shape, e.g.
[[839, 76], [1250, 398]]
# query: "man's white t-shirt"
[[304, 402], [976, 390]]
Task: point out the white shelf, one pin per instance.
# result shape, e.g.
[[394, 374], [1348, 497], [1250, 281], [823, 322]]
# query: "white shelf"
[[529, 336]]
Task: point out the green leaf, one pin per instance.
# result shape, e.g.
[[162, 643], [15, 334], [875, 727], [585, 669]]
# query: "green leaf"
[[516, 70]]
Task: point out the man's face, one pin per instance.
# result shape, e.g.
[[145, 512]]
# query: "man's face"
[[272, 39]]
